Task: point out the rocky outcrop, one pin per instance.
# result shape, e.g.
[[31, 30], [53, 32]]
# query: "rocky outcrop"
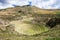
[[53, 22]]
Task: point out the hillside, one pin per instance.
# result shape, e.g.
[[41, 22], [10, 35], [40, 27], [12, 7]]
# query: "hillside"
[[26, 9], [29, 23]]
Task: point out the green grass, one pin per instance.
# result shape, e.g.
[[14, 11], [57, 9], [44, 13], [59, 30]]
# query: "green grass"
[[53, 38], [57, 12], [36, 28]]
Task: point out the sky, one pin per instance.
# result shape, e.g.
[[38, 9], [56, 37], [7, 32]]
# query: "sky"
[[44, 4]]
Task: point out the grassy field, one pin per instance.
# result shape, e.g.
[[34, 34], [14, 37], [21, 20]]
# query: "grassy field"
[[28, 23]]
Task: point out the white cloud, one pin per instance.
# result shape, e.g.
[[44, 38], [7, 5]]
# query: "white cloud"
[[18, 2], [45, 4]]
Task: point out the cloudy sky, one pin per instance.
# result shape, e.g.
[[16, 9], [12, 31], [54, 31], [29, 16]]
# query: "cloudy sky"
[[45, 4]]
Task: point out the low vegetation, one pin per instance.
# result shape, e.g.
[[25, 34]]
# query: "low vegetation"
[[29, 23]]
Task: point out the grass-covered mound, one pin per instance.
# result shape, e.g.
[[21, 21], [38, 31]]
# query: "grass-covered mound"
[[28, 23]]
